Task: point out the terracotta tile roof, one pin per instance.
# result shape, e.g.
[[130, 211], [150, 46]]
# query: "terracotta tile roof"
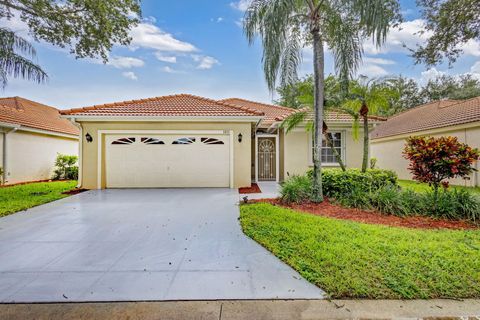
[[432, 115], [173, 105], [275, 113], [35, 115]]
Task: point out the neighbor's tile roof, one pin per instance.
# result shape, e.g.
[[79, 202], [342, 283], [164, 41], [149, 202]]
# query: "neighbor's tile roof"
[[437, 114], [173, 105], [275, 113], [35, 115]]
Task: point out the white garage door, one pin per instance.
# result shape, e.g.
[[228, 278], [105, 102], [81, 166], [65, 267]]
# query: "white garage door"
[[167, 161]]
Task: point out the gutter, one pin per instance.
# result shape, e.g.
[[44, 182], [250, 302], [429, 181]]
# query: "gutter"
[[80, 150], [12, 128]]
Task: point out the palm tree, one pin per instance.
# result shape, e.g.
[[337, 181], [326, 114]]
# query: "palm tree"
[[333, 96], [368, 96], [287, 26], [12, 61]]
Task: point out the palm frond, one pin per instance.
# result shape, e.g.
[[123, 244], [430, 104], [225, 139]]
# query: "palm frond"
[[10, 41], [16, 66], [376, 17], [346, 44], [276, 23], [294, 120]]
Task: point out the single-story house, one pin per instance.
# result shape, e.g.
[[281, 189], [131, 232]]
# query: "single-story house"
[[31, 136], [190, 141], [457, 118]]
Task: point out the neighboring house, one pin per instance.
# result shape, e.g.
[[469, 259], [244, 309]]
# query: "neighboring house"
[[455, 118], [31, 135], [189, 141]]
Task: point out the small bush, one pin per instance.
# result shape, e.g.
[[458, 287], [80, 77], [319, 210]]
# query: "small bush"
[[340, 184], [454, 204], [65, 167], [296, 189]]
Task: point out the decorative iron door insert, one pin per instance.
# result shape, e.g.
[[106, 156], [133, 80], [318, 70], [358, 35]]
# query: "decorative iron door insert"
[[267, 159]]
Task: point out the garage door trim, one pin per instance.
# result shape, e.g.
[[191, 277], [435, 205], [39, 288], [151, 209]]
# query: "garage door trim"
[[102, 133]]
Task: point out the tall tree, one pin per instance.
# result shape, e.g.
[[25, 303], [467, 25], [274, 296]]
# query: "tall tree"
[[368, 96], [89, 28], [450, 87], [407, 95], [286, 26], [453, 23]]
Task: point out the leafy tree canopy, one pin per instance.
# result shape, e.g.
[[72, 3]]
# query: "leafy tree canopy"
[[453, 23], [88, 27], [402, 93]]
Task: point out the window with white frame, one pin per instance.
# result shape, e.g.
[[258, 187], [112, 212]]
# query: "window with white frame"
[[327, 153]]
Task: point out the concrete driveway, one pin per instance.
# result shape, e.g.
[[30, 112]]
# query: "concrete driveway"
[[131, 245]]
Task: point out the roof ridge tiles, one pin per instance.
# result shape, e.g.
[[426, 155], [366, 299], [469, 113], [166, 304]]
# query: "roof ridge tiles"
[[159, 98]]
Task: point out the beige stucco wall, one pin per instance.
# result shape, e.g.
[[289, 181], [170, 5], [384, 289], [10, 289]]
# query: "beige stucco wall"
[[297, 155], [242, 151], [388, 151], [31, 156]]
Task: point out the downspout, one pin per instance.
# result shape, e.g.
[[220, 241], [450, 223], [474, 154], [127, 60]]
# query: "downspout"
[[80, 151], [5, 149]]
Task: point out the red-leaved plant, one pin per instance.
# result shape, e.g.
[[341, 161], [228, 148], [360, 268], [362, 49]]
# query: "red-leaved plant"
[[434, 160]]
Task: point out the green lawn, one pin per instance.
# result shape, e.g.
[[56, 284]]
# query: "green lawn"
[[21, 197], [354, 260], [422, 187]]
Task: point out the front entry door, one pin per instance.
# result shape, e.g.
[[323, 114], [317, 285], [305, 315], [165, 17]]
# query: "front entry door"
[[267, 159]]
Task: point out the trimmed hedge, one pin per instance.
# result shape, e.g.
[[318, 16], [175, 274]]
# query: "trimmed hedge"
[[338, 183]]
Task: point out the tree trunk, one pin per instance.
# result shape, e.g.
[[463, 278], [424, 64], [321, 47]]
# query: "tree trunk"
[[366, 138], [318, 70], [328, 139]]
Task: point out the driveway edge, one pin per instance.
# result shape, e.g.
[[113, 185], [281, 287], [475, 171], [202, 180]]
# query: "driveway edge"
[[248, 309]]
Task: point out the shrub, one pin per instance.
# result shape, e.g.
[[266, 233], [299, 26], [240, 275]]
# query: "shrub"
[[296, 189], [1, 175], [454, 204], [348, 186], [65, 167], [339, 184]]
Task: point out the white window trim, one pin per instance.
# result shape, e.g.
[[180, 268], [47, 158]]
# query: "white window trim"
[[102, 133], [328, 164]]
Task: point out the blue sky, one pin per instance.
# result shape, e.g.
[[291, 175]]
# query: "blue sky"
[[198, 47]]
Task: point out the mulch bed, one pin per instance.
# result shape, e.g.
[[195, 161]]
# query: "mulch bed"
[[74, 191], [254, 188], [327, 209]]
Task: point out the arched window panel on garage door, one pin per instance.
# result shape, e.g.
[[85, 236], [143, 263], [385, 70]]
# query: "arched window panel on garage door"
[[184, 141], [147, 140], [211, 141], [124, 141]]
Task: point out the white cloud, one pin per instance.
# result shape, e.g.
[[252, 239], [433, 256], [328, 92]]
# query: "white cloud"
[[204, 62], [16, 25], [379, 61], [125, 62], [430, 74], [167, 69], [475, 70], [407, 34], [372, 71], [239, 23], [218, 20], [130, 75], [169, 59], [241, 5], [147, 35], [471, 48]]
